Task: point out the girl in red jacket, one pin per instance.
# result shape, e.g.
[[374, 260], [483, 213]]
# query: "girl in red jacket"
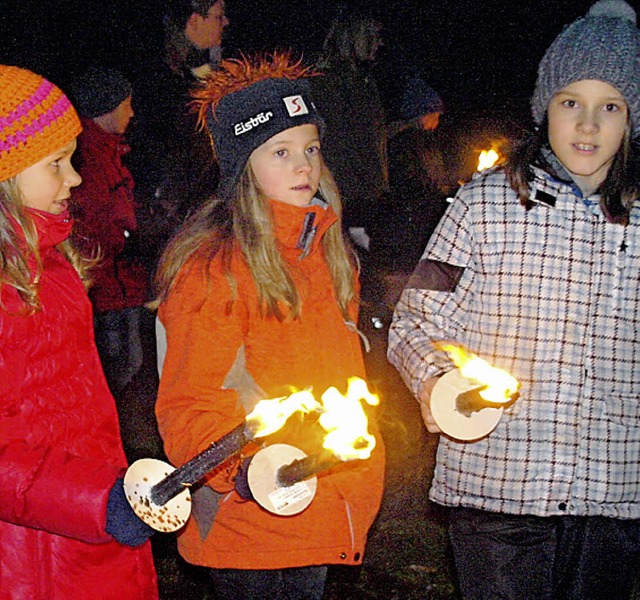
[[258, 296], [66, 529]]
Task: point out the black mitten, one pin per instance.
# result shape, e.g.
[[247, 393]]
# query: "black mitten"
[[122, 523], [241, 484]]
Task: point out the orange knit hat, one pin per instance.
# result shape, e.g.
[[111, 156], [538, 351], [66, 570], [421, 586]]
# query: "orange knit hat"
[[36, 119]]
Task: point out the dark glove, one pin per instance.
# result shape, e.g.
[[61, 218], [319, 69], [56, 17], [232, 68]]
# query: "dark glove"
[[242, 485], [122, 523]]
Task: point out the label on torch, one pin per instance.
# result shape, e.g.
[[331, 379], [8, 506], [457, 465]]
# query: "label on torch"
[[289, 496]]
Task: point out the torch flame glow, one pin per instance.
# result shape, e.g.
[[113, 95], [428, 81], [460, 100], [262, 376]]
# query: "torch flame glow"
[[487, 159], [270, 415], [501, 385], [345, 422]]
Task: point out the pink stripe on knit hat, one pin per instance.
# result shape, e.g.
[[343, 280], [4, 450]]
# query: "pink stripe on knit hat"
[[44, 89], [43, 120]]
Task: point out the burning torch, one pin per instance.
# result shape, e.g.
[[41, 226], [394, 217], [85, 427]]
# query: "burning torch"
[[159, 494], [467, 402], [283, 479], [487, 159]]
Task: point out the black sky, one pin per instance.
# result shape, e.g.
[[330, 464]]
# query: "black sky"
[[481, 56]]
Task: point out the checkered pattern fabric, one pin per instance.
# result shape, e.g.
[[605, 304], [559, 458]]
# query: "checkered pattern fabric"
[[551, 295], [36, 119]]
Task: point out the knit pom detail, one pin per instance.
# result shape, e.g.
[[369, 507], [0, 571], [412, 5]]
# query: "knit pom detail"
[[234, 75], [614, 9]]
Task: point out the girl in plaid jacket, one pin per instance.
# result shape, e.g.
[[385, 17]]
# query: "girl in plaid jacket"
[[535, 268]]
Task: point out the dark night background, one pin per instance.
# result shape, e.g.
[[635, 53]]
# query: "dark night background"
[[481, 56]]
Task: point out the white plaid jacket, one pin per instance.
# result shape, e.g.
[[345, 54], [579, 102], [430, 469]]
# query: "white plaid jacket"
[[551, 295]]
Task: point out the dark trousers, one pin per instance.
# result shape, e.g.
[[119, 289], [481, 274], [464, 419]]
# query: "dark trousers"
[[119, 339], [127, 346], [516, 557], [302, 583]]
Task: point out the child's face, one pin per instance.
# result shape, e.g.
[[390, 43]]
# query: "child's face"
[[429, 121], [118, 119], [287, 166], [47, 184], [587, 123]]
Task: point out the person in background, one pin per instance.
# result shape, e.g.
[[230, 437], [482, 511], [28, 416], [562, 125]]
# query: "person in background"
[[105, 223], [535, 268], [106, 227], [172, 162], [406, 217], [258, 294], [349, 100], [66, 528], [420, 107]]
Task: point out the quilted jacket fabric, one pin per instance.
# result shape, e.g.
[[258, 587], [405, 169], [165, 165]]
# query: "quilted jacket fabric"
[[60, 449]]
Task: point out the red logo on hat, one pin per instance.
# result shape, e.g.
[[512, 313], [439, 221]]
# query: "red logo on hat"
[[295, 106]]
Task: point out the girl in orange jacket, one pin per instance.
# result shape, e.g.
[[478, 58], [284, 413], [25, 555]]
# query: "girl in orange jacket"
[[258, 295]]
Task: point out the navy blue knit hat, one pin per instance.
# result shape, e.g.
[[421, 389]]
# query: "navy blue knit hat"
[[419, 99], [246, 102], [98, 91], [604, 45]]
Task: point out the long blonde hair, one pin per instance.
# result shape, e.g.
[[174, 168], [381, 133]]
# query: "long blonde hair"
[[14, 256], [245, 220]]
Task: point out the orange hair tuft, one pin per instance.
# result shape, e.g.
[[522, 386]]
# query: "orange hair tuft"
[[235, 74]]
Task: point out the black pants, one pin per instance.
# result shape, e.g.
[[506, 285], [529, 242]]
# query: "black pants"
[[302, 583], [119, 339], [127, 347], [515, 557]]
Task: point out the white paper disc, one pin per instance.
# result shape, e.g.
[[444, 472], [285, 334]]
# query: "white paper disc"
[[460, 426], [262, 477], [140, 477]]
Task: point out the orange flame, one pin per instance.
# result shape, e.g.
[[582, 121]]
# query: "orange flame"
[[487, 159], [345, 421], [270, 415], [501, 385]]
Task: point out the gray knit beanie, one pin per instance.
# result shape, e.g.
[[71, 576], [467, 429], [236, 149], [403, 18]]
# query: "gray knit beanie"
[[604, 45], [98, 91]]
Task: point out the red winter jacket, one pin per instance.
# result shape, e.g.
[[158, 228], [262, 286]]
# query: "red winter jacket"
[[210, 325], [60, 449], [104, 214]]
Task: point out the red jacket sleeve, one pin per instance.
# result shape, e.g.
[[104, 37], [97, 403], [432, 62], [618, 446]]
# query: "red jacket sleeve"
[[42, 486], [48, 489]]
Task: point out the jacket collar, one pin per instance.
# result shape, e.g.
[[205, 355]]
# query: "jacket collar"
[[94, 135], [302, 227], [52, 229]]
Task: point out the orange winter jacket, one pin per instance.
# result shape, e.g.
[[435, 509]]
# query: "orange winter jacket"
[[211, 329]]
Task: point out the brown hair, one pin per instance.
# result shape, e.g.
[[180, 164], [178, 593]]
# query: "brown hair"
[[619, 191]]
